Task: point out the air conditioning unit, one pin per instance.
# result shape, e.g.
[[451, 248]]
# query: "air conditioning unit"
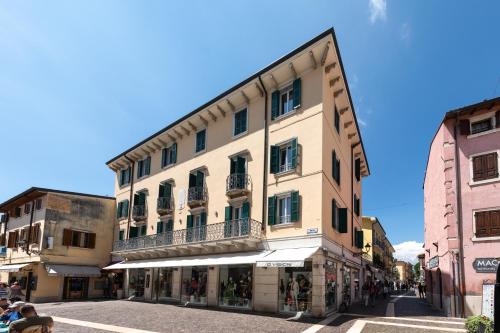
[[50, 243]]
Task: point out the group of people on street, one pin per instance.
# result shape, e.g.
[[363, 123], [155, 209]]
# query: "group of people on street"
[[17, 316], [373, 289]]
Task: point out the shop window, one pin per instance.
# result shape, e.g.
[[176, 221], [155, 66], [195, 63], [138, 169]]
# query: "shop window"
[[295, 288], [330, 285], [136, 282], [165, 278], [236, 286], [346, 288], [194, 285]]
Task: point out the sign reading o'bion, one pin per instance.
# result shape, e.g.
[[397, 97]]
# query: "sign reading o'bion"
[[433, 262], [485, 265]]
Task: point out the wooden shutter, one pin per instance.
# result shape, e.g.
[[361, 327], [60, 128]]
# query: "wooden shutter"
[[125, 208], [294, 153], [91, 240], [159, 227], [271, 210], [464, 125], [144, 230], [228, 213], [189, 231], [147, 165], [140, 166], [67, 237], [142, 198], [245, 210], [12, 240], [200, 177], [359, 239], [232, 167], [18, 211], [121, 235], [275, 104], [133, 232], [119, 210], [295, 201], [297, 93], [488, 223], [2, 240], [495, 222], [174, 153], [337, 119], [334, 214], [274, 160], [334, 165], [357, 169], [491, 161], [35, 234], [23, 234], [240, 165], [338, 172], [342, 220], [189, 223], [161, 191], [478, 170], [163, 157], [170, 225], [485, 167]]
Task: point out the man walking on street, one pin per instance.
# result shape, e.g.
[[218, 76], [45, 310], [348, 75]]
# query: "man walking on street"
[[420, 290]]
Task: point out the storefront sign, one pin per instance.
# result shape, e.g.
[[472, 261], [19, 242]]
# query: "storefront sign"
[[488, 300], [312, 231], [280, 264], [485, 265], [433, 262]]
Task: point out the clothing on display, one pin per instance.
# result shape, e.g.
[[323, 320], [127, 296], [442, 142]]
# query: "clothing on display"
[[194, 284], [295, 288], [236, 286]]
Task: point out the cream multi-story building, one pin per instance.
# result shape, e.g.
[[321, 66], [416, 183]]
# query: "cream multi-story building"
[[405, 271], [253, 199], [54, 243], [380, 252]]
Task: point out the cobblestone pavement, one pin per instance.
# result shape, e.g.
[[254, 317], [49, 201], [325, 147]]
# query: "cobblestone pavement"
[[398, 314]]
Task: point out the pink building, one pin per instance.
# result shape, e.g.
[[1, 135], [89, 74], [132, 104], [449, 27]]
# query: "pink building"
[[462, 209]]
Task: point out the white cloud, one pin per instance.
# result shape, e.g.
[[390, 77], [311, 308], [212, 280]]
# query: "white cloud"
[[378, 10], [405, 33], [408, 251], [362, 122]]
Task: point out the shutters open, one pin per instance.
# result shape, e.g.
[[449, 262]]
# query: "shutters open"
[[295, 201], [274, 160], [271, 210], [297, 93], [342, 220], [275, 104], [294, 150]]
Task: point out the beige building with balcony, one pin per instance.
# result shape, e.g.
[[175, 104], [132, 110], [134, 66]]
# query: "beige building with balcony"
[[54, 243], [380, 254], [251, 201]]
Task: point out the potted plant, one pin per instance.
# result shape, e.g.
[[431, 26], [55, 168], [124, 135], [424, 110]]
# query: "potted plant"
[[479, 324], [228, 295]]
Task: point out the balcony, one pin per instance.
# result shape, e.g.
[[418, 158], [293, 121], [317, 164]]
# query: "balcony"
[[139, 212], [197, 196], [164, 206], [237, 185], [209, 237]]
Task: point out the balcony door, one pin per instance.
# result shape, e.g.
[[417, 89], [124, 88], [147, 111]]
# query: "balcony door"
[[238, 165]]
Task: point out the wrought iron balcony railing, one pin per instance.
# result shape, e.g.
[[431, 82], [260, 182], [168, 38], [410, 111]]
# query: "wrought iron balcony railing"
[[164, 205], [237, 183], [139, 212], [242, 228], [197, 195]]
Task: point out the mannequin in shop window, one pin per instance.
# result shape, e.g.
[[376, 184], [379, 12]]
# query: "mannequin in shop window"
[[295, 294]]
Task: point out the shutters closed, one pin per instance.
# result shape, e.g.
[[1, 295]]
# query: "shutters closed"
[[357, 169], [335, 168], [12, 240], [119, 210], [488, 223], [228, 211], [121, 235], [336, 116], [67, 237], [297, 93], [275, 104], [295, 201], [159, 227], [125, 208], [200, 178], [170, 225], [343, 220], [133, 232], [271, 210], [359, 239], [485, 167]]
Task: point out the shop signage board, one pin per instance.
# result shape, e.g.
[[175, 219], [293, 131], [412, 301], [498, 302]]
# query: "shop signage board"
[[433, 262], [280, 264], [488, 300], [485, 265], [312, 231]]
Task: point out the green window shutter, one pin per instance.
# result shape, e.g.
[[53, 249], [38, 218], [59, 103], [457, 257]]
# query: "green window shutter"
[[119, 210], [274, 160], [271, 210], [133, 232], [170, 225], [334, 214], [161, 191], [232, 166], [174, 152], [338, 172], [228, 212], [203, 218], [142, 198], [357, 169], [294, 153], [275, 104], [147, 166], [245, 210], [337, 119], [144, 229], [295, 201], [121, 234], [342, 220], [136, 199], [163, 157], [200, 176], [139, 168], [159, 227], [192, 180], [167, 191], [240, 165], [360, 239], [189, 223], [125, 208], [297, 93], [203, 231], [243, 124]]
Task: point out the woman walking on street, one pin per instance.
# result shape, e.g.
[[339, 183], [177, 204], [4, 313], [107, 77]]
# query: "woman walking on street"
[[15, 292]]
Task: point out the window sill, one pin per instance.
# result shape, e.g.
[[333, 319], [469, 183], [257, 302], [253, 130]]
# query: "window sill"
[[239, 135], [485, 239], [484, 182], [286, 115], [168, 166], [472, 136], [284, 173], [123, 186], [284, 225], [142, 177], [196, 153]]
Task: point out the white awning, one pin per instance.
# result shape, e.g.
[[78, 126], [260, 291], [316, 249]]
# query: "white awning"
[[287, 257], [208, 260], [12, 268], [73, 270]]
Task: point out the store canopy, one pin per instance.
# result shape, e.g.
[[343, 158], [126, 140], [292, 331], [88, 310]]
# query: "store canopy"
[[73, 270], [208, 260], [287, 257], [12, 268]]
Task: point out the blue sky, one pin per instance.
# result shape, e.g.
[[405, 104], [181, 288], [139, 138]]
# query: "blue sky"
[[82, 81]]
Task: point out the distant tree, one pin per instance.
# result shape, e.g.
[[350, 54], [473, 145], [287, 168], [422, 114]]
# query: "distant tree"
[[416, 270]]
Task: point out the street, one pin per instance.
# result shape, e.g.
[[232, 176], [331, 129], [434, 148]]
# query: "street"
[[399, 313]]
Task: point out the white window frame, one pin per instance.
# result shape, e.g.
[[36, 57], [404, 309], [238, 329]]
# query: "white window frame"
[[285, 196], [168, 152], [235, 136], [196, 143], [471, 168], [287, 90], [475, 119], [480, 239], [143, 160], [120, 175]]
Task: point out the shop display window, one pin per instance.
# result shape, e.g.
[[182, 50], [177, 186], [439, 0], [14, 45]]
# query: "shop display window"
[[330, 285], [136, 281], [346, 288], [165, 283], [295, 288], [194, 285], [235, 286]]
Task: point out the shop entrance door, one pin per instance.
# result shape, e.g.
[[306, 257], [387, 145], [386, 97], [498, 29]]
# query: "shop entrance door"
[[76, 287], [28, 286]]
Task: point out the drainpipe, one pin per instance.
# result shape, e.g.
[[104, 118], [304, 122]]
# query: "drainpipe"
[[459, 220], [29, 230], [266, 148], [131, 194], [352, 192]]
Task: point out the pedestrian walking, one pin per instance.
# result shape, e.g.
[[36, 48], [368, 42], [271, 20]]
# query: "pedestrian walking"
[[420, 290], [365, 292], [15, 292], [373, 293], [386, 289]]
